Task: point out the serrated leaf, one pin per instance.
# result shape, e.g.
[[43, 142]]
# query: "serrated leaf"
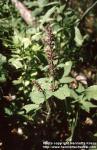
[[37, 97], [62, 92], [91, 92], [67, 68], [30, 107]]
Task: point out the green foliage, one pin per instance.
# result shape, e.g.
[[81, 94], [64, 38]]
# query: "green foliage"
[[78, 37], [37, 97], [30, 107], [91, 92], [62, 92], [32, 61], [2, 68], [67, 68]]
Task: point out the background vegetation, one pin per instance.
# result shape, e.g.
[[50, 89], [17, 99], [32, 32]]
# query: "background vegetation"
[[48, 72]]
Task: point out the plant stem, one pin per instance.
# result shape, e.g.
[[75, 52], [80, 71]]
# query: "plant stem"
[[74, 124], [86, 12], [48, 109], [47, 106]]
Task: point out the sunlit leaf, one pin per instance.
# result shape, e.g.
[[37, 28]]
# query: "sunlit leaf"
[[78, 37], [2, 59], [37, 97], [87, 105], [62, 92], [49, 94], [26, 42], [16, 63], [46, 17], [80, 88], [91, 92], [67, 68], [2, 77], [8, 111], [30, 107], [44, 82], [42, 3], [66, 80]]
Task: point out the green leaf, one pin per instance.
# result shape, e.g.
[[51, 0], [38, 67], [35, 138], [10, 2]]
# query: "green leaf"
[[30, 4], [2, 77], [36, 37], [2, 69], [37, 97], [73, 94], [67, 68], [46, 17], [61, 65], [42, 3], [52, 3], [49, 94], [37, 11], [66, 80], [30, 107], [18, 81], [62, 92], [36, 47], [26, 42], [45, 83], [87, 105], [91, 92], [80, 88], [78, 37], [2, 59], [17, 38], [27, 83], [16, 63], [8, 111]]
